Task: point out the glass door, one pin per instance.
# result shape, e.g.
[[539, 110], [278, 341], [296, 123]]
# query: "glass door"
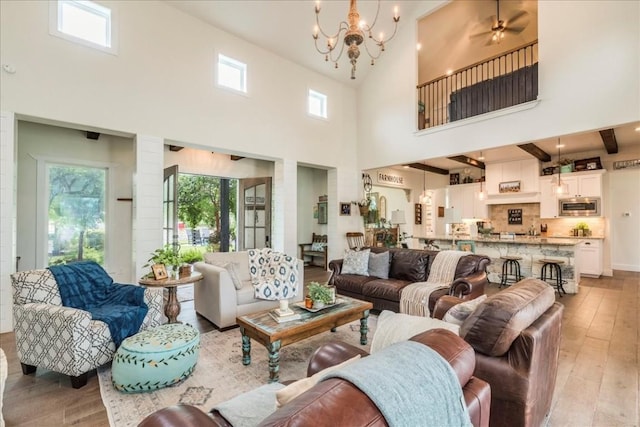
[[255, 220], [170, 206]]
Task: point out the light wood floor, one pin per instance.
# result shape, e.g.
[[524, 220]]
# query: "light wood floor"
[[597, 382]]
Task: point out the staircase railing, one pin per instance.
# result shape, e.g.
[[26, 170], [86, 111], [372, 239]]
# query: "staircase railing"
[[504, 80]]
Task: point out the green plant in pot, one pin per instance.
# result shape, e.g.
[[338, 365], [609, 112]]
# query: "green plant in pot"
[[188, 258], [169, 256], [320, 294], [582, 229]]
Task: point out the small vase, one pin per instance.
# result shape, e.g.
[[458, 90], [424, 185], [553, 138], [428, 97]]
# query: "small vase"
[[308, 302], [318, 305]]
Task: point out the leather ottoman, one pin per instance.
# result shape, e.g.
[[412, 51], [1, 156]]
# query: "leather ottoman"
[[155, 358]]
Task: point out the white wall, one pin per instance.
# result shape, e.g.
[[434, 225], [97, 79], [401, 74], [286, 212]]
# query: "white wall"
[[624, 205], [7, 217], [161, 85], [589, 67], [39, 142], [312, 183]]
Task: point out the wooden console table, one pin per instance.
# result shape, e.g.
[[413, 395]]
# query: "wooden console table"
[[172, 306]]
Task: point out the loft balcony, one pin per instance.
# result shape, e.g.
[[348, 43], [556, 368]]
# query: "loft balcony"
[[501, 81]]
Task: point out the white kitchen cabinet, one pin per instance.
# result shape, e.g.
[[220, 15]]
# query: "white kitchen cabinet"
[[548, 198], [525, 171], [464, 197], [590, 257], [583, 184]]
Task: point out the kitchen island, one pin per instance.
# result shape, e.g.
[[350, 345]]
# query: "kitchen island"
[[531, 248]]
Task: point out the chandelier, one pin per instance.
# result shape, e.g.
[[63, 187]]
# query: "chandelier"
[[356, 32]]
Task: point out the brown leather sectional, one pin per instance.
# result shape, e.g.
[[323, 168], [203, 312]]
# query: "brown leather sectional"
[[409, 266], [337, 402]]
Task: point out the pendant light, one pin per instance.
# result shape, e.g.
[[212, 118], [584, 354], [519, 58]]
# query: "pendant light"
[[481, 195], [424, 197], [560, 187]]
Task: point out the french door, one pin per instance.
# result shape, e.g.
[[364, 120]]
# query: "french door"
[[170, 206], [255, 217]]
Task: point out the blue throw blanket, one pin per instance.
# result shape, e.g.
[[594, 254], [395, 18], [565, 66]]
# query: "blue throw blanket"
[[86, 286], [411, 384]]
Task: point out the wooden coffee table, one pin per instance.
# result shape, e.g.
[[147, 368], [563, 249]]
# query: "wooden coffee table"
[[273, 335]]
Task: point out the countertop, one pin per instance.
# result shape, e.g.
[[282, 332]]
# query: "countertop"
[[526, 240]]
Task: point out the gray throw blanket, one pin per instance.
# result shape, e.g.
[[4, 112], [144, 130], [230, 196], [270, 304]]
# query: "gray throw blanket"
[[411, 384]]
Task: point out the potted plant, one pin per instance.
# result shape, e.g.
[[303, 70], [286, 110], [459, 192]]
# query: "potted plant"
[[169, 256], [188, 258], [321, 294], [582, 229]]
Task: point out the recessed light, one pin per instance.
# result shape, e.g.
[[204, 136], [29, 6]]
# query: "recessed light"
[[449, 72], [418, 46], [638, 129], [559, 145]]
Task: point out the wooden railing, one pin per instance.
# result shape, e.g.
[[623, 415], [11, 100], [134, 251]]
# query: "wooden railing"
[[507, 79]]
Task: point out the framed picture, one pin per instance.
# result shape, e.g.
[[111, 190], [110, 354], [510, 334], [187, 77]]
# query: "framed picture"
[[345, 208], [466, 245], [159, 271], [509, 187], [322, 213]]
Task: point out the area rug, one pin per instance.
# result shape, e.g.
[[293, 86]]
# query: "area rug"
[[219, 374]]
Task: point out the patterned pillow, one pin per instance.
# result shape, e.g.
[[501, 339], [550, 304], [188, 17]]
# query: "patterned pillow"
[[379, 265], [459, 312], [318, 246], [356, 262]]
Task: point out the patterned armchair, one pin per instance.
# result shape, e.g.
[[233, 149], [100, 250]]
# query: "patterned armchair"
[[63, 339]]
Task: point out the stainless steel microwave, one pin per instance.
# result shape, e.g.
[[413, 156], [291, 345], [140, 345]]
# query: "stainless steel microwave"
[[579, 206]]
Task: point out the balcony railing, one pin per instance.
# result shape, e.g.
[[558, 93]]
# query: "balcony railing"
[[504, 80]]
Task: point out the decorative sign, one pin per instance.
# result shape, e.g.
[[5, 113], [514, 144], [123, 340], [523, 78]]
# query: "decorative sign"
[[625, 164], [509, 187], [514, 216], [390, 179]]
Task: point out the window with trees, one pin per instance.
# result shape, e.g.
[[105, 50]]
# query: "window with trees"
[[76, 213]]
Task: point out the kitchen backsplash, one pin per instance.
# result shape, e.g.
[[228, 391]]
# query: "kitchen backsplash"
[[499, 215]]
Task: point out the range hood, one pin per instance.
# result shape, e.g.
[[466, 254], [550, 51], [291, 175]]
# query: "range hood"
[[510, 198]]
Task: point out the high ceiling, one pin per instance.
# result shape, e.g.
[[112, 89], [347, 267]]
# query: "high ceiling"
[[285, 28]]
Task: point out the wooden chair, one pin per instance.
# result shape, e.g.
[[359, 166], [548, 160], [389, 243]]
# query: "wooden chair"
[[316, 249], [355, 240]]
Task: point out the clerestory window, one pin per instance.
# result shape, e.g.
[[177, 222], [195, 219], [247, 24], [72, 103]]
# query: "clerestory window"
[[84, 22]]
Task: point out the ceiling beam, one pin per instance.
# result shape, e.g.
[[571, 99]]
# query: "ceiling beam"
[[467, 161], [175, 148], [93, 135], [428, 168], [236, 158], [536, 152], [609, 140]]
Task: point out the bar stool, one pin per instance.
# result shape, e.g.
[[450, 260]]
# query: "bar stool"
[[510, 270], [554, 271]]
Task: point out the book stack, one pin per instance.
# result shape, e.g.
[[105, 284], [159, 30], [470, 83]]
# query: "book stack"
[[282, 317]]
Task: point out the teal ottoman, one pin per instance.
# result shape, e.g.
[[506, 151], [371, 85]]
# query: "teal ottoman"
[[155, 358]]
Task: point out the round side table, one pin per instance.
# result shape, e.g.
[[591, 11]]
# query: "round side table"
[[172, 307]]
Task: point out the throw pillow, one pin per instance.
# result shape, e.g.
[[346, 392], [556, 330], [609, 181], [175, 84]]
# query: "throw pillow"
[[356, 262], [379, 265], [232, 269], [295, 389], [395, 327], [318, 246], [409, 265], [250, 408], [459, 312]]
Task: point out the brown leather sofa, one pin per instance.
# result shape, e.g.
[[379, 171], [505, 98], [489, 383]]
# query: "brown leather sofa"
[[338, 402], [516, 336], [410, 266]]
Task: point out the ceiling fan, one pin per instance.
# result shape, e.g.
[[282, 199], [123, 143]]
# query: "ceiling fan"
[[501, 26]]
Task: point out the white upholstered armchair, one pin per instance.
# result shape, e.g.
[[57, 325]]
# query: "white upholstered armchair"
[[63, 339]]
